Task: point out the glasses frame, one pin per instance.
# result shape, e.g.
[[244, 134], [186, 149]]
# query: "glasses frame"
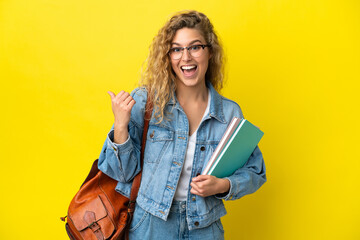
[[203, 46]]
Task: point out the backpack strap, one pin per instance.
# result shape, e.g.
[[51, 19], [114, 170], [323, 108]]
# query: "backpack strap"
[[136, 183]]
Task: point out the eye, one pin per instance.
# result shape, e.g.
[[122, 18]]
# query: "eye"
[[175, 49], [195, 47]]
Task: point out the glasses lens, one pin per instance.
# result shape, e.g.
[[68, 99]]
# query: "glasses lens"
[[175, 53], [196, 50]]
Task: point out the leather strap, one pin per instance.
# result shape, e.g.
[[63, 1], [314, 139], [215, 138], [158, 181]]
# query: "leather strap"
[[96, 229], [136, 183], [90, 219]]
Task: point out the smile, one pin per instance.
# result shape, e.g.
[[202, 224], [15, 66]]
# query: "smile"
[[188, 70], [188, 67]]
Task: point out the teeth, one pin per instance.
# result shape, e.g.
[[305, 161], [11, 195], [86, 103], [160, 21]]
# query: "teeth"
[[188, 67]]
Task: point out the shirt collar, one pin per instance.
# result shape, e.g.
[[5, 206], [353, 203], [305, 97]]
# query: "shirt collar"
[[216, 106]]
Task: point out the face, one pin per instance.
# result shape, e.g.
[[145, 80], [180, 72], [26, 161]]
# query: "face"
[[190, 71]]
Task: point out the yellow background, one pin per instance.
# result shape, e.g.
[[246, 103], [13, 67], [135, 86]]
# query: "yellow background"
[[293, 66]]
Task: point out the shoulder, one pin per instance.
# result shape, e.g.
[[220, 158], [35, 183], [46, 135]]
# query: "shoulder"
[[230, 103], [137, 112], [139, 94], [224, 108], [231, 108]]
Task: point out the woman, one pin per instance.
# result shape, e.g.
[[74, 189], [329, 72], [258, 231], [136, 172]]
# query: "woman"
[[175, 201]]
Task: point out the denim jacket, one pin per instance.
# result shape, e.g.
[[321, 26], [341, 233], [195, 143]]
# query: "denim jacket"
[[164, 156]]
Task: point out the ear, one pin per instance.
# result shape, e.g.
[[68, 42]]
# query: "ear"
[[210, 54]]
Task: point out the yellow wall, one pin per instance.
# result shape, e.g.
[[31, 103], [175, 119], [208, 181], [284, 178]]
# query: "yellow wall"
[[293, 66]]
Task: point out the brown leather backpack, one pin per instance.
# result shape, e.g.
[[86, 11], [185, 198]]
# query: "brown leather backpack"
[[98, 212]]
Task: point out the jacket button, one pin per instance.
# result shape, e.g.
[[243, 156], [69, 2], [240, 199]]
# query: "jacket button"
[[152, 134], [202, 148], [196, 224], [193, 198]]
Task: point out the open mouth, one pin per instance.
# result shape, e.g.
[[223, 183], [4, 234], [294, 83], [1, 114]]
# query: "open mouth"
[[188, 70]]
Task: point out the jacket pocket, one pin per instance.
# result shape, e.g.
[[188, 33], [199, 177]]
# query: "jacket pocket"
[[157, 143]]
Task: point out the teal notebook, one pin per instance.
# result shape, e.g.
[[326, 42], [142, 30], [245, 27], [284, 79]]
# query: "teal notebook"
[[236, 151]]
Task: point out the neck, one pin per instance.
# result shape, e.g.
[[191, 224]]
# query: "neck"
[[186, 94]]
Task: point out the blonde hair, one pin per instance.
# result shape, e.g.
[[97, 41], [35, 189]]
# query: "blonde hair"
[[158, 76]]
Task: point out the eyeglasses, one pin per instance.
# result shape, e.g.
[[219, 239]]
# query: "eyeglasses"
[[194, 50]]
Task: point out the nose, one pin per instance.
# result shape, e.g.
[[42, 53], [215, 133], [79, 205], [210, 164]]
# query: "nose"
[[186, 55]]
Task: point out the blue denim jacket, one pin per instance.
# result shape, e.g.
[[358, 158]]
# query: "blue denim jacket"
[[164, 156]]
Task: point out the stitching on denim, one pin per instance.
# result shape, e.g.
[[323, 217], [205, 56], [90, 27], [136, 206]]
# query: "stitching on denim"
[[140, 222]]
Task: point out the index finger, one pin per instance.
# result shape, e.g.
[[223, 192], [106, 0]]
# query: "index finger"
[[201, 178]]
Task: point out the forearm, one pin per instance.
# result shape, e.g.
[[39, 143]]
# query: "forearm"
[[224, 186], [121, 133]]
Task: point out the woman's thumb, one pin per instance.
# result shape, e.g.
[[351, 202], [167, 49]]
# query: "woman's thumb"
[[112, 95]]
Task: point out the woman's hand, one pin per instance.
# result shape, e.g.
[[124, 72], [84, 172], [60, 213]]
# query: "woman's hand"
[[121, 104], [207, 185]]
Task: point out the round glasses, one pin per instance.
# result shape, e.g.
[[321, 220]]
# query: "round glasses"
[[194, 50]]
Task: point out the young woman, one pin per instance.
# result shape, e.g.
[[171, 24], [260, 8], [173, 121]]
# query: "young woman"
[[184, 71]]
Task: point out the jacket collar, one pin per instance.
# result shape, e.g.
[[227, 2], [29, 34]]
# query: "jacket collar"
[[216, 105]]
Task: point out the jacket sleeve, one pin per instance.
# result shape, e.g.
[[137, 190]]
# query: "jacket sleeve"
[[248, 179], [122, 161]]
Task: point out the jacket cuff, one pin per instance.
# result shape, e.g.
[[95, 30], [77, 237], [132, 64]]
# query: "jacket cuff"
[[226, 195], [118, 148]]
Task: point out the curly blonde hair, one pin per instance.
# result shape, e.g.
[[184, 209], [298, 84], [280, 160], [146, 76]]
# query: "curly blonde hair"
[[158, 77]]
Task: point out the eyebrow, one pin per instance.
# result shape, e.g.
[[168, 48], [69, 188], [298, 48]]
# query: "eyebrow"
[[192, 42]]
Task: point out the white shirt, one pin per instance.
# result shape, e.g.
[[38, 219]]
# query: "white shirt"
[[184, 181]]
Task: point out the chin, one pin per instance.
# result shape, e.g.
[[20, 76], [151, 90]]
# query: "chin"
[[189, 82]]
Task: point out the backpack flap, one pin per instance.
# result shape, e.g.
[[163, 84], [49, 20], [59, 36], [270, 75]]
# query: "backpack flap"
[[92, 220]]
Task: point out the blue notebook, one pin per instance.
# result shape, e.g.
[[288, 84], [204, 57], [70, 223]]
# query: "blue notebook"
[[234, 149]]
